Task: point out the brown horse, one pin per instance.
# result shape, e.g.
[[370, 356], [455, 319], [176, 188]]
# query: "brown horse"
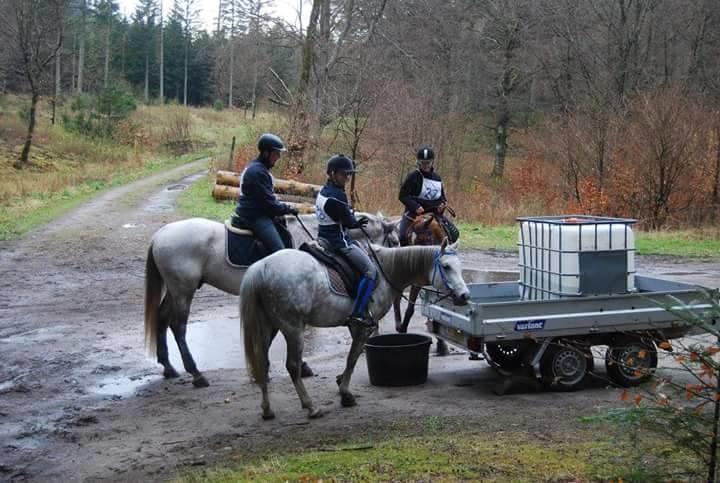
[[424, 230]]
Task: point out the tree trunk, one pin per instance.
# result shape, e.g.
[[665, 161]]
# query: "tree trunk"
[[232, 68], [185, 76], [108, 33], [81, 53], [56, 96], [162, 56], [501, 136], [147, 78], [254, 89], [716, 184], [23, 161]]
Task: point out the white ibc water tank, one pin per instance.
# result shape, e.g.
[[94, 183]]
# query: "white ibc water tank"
[[573, 256]]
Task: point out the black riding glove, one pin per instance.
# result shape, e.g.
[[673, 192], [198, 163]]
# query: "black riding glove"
[[293, 211]]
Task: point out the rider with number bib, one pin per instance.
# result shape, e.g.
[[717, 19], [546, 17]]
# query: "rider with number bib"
[[335, 218], [421, 192], [257, 206]]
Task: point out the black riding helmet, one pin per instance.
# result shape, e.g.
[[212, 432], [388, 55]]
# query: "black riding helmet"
[[425, 153], [270, 142], [340, 162]]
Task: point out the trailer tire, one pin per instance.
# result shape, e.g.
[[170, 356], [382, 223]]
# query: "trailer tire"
[[507, 355], [563, 366], [631, 361]]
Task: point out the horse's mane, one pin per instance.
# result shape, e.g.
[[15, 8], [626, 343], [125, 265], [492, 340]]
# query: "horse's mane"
[[406, 258]]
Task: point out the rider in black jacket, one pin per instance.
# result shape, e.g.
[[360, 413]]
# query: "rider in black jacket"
[[257, 205], [335, 218], [421, 192]]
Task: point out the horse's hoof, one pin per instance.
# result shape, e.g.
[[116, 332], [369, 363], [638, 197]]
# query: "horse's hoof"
[[315, 413], [200, 381], [268, 415], [170, 373], [305, 370], [347, 400]]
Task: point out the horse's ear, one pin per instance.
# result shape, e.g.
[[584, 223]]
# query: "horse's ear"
[[454, 247], [388, 226], [443, 246]]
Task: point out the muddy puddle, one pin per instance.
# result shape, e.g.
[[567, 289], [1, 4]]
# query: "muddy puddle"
[[216, 343], [164, 201]]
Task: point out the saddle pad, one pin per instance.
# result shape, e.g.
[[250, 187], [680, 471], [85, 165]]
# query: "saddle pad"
[[242, 249], [337, 268], [336, 283]]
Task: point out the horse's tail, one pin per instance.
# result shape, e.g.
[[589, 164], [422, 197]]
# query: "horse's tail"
[[255, 323], [153, 296]]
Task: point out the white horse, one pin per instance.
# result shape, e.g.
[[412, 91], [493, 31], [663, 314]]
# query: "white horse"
[[290, 289], [186, 254]]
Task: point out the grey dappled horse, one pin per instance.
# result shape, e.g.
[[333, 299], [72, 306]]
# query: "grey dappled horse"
[[290, 289], [186, 254]]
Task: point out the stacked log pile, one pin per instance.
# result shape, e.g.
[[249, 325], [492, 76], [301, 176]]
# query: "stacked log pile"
[[300, 195]]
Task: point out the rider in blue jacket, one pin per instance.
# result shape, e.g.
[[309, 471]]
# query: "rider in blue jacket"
[[257, 205], [335, 218]]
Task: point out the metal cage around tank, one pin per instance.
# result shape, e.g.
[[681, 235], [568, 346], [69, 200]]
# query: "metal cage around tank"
[[603, 267]]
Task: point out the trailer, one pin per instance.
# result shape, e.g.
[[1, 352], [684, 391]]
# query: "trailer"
[[552, 339]]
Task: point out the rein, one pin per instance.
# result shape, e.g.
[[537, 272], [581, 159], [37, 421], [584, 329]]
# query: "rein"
[[437, 268], [297, 217]]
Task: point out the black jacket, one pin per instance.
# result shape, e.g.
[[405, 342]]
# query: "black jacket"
[[333, 203], [256, 194], [411, 187]]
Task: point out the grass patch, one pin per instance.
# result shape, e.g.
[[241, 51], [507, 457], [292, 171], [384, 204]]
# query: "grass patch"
[[20, 214], [458, 456], [198, 201], [67, 168], [697, 243]]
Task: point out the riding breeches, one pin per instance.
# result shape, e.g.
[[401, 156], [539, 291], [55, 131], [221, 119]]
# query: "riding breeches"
[[266, 231], [360, 261], [405, 222]]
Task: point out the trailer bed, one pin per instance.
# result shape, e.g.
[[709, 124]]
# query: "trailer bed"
[[496, 313]]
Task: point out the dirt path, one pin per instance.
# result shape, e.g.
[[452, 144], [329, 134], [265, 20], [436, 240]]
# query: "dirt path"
[[79, 401]]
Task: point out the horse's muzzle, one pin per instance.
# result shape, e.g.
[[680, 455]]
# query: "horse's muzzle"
[[461, 299]]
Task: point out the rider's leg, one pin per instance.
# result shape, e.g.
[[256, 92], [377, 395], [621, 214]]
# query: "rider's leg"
[[264, 229], [403, 229], [361, 261], [284, 233]]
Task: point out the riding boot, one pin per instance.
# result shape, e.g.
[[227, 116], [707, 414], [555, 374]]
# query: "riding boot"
[[359, 314]]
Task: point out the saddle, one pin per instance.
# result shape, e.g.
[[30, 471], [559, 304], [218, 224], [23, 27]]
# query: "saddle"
[[343, 277]]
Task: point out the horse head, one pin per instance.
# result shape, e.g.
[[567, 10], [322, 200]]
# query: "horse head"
[[447, 273]]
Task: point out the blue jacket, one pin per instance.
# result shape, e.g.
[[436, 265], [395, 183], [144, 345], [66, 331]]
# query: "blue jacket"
[[257, 199], [334, 216]]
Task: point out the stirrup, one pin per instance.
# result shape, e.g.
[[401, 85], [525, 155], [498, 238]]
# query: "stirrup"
[[365, 322]]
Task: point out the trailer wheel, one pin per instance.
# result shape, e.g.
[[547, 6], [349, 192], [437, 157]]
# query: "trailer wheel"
[[564, 366], [507, 355], [631, 361]]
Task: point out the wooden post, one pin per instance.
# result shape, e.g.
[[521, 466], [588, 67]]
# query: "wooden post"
[[231, 166]]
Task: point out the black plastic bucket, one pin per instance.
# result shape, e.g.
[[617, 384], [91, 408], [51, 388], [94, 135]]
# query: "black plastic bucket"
[[397, 359]]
